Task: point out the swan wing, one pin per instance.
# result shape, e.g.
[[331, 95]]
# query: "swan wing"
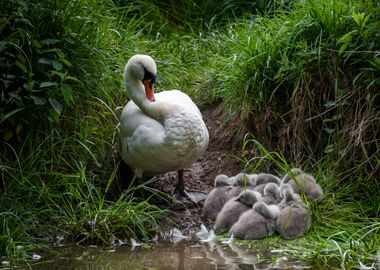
[[179, 98], [132, 118], [140, 137], [154, 147]]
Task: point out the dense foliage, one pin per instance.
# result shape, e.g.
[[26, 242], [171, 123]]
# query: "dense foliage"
[[313, 78], [301, 76]]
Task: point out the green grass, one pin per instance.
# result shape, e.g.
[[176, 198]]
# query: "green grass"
[[345, 229], [58, 177], [306, 73], [60, 190], [302, 77]]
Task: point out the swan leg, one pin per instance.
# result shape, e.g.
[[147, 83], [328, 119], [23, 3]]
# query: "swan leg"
[[182, 194]]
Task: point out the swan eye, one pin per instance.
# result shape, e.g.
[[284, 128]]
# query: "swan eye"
[[149, 76]]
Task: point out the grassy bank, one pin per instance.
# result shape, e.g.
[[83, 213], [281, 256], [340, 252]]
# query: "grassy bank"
[[303, 78], [345, 226], [59, 137]]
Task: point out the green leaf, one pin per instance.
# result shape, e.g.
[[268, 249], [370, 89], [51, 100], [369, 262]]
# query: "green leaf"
[[36, 44], [2, 45], [329, 148], [67, 93], [329, 104], [22, 66], [345, 40], [56, 105], [365, 20], [66, 62], [49, 41], [10, 114], [57, 65], [15, 95], [28, 85], [329, 130], [44, 61], [360, 18], [337, 116], [71, 78], [47, 84], [376, 63], [343, 48], [7, 135], [54, 116], [38, 100], [18, 129], [61, 75]]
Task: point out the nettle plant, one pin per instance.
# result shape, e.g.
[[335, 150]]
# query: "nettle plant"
[[34, 81]]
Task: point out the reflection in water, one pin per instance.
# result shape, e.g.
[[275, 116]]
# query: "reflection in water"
[[185, 255]]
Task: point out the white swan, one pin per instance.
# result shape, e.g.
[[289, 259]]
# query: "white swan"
[[159, 132]]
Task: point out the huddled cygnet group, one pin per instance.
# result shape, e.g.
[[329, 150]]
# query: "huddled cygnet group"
[[254, 206]]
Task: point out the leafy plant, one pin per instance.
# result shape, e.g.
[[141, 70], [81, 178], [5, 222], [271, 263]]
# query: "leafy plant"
[[310, 76], [35, 80], [192, 15]]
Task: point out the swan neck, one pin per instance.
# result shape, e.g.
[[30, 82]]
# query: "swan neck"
[[137, 94], [135, 89]]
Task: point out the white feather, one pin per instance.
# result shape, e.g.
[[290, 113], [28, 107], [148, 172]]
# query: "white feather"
[[167, 134]]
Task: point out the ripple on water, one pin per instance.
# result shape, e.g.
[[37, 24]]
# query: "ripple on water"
[[186, 255]]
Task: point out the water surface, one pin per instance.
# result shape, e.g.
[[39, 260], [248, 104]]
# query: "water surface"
[[184, 255]]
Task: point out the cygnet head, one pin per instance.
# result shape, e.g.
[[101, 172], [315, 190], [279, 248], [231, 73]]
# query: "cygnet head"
[[221, 180], [249, 197], [288, 195], [240, 179], [307, 185], [268, 211], [292, 174], [264, 178], [304, 178], [282, 187], [252, 179], [271, 190]]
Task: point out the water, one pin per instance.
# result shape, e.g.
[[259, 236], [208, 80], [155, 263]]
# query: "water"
[[184, 255]]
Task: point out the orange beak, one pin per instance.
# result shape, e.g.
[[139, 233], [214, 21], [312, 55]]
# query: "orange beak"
[[149, 89]]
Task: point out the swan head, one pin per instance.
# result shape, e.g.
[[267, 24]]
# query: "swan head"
[[142, 68]]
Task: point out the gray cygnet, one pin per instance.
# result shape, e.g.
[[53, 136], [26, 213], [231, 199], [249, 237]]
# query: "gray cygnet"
[[232, 210], [256, 223], [293, 219], [303, 183], [264, 178], [217, 197]]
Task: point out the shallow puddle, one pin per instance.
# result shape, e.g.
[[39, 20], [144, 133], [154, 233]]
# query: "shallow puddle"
[[183, 255]]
